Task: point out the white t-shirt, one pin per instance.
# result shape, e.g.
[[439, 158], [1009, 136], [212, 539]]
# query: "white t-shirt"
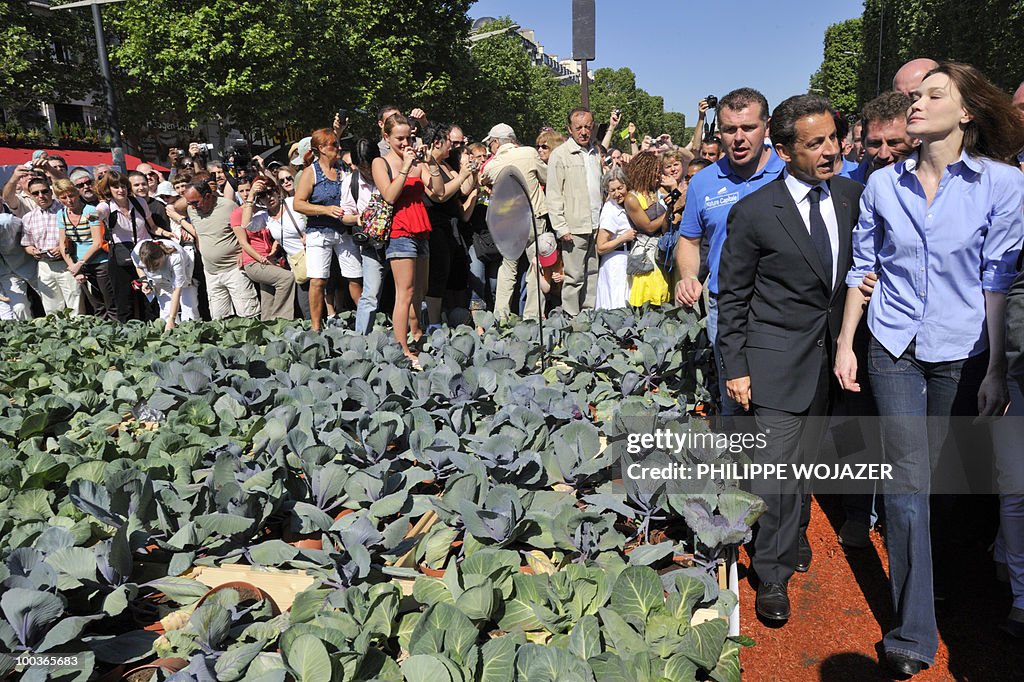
[[366, 188], [121, 225], [287, 231], [177, 268]]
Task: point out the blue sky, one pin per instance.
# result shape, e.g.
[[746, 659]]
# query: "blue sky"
[[772, 46]]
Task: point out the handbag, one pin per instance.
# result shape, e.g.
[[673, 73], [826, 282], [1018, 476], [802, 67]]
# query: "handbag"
[[297, 261], [486, 249], [639, 262], [376, 219]]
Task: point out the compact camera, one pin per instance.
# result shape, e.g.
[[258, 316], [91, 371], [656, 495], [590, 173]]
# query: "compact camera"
[[712, 101]]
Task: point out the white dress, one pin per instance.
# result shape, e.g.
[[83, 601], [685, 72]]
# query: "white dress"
[[612, 281]]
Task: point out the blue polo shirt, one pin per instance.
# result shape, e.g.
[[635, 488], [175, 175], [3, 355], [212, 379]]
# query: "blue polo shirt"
[[860, 172], [848, 169], [712, 193]]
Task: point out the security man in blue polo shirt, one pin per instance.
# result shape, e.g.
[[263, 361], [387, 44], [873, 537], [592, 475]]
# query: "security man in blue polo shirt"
[[748, 165]]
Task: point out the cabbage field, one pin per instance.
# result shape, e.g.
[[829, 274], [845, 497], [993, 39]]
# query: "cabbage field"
[[467, 522]]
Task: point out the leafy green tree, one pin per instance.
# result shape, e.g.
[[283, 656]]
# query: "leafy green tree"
[[33, 44], [837, 78], [674, 123], [507, 87], [252, 65], [978, 32]]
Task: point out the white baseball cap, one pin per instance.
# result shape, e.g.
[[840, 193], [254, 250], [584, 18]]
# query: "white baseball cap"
[[502, 131], [300, 150], [166, 189]]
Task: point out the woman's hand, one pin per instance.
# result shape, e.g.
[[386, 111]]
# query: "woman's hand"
[[846, 368], [335, 211], [408, 159], [993, 396], [75, 267], [628, 235]]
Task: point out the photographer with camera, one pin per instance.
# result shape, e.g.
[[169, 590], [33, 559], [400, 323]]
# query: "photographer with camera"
[[166, 272], [648, 217], [702, 130], [449, 264], [262, 260], [403, 177]]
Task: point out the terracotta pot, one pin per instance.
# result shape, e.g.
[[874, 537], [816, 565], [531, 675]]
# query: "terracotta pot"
[[144, 673], [438, 572], [431, 572], [307, 543], [247, 591]]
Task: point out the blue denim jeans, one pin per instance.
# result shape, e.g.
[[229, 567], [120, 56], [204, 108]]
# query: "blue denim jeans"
[[729, 406], [373, 277], [483, 281], [907, 391]]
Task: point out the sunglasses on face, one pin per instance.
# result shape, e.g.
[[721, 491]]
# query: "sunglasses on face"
[[40, 192], [153, 174], [542, 146], [286, 178], [83, 184]]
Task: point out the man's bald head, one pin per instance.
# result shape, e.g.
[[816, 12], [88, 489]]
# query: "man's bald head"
[[911, 74]]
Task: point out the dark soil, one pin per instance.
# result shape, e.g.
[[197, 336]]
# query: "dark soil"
[[841, 609]]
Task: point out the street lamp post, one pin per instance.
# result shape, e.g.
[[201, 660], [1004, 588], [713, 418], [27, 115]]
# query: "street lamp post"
[[116, 148], [878, 64]]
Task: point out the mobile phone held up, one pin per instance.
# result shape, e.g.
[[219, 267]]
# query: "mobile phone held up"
[[673, 197]]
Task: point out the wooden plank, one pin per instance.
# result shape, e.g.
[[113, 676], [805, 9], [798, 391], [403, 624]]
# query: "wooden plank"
[[282, 586]]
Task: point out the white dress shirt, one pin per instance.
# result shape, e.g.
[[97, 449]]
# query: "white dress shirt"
[[800, 191]]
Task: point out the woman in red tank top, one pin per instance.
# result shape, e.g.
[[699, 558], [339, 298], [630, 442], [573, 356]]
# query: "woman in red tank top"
[[403, 177]]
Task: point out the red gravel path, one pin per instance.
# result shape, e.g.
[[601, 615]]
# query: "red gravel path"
[[841, 608]]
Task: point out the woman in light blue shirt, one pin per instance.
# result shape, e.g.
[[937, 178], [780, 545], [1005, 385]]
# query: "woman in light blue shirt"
[[943, 230]]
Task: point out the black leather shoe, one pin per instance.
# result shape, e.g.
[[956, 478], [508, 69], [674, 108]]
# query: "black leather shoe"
[[803, 554], [772, 601], [1014, 628], [903, 665]]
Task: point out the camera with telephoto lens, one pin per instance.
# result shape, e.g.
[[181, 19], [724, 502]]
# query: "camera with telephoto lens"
[[712, 101]]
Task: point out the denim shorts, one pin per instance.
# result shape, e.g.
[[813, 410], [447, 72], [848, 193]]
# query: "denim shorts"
[[407, 247]]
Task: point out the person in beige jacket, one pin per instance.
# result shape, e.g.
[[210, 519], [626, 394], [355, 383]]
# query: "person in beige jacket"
[[501, 141], [574, 209]]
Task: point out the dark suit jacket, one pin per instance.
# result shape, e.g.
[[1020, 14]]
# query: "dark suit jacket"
[[1015, 328], [776, 314]]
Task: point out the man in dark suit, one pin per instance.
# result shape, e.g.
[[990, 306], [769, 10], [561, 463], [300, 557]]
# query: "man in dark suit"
[[781, 297]]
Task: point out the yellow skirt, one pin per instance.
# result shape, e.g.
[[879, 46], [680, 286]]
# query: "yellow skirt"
[[650, 287]]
